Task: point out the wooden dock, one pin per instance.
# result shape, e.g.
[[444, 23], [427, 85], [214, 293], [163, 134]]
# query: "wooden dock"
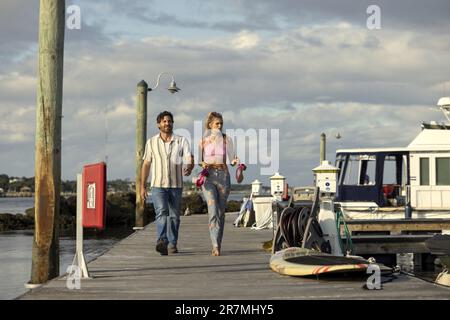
[[397, 226], [391, 236], [133, 270]]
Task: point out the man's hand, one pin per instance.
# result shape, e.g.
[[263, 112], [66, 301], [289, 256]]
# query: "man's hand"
[[143, 193], [187, 171], [144, 175]]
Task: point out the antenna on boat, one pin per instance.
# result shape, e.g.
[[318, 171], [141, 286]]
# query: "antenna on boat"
[[444, 106]]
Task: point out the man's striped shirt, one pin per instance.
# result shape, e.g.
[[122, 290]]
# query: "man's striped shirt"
[[167, 163]]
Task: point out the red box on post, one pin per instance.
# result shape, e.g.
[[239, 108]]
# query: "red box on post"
[[94, 195]]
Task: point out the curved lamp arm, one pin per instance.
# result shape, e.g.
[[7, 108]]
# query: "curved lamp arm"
[[173, 86]]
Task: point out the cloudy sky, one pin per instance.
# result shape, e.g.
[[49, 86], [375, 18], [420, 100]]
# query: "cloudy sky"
[[300, 66]]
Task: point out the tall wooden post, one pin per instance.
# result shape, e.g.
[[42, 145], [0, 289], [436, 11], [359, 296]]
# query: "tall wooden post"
[[323, 152], [45, 256], [141, 137]]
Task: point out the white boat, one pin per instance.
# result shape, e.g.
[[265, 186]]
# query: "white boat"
[[394, 183]]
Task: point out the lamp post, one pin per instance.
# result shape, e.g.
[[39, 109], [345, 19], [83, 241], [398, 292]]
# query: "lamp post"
[[141, 138]]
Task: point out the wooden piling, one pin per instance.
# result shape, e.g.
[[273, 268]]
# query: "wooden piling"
[[141, 137], [45, 256], [323, 152]]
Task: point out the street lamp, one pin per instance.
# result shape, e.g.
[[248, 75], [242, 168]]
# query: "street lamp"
[[141, 138], [173, 86]]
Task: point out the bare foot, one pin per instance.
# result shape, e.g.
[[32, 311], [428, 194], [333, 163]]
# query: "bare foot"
[[215, 252]]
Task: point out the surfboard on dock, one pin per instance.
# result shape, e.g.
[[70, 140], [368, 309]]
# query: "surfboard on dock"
[[296, 261]]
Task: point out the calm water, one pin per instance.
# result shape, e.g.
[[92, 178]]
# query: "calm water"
[[15, 205]]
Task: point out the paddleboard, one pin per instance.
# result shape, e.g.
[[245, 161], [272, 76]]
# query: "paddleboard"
[[296, 261]]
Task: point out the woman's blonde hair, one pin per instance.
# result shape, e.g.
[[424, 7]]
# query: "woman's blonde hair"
[[210, 117]]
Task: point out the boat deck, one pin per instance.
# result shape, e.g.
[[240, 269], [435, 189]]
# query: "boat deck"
[[133, 270]]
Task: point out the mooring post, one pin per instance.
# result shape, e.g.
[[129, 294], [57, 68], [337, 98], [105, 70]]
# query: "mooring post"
[[323, 153], [45, 255], [141, 137]]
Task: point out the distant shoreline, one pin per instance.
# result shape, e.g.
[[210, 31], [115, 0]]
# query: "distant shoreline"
[[17, 195]]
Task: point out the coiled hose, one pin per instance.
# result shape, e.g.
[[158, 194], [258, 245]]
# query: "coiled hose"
[[298, 227]]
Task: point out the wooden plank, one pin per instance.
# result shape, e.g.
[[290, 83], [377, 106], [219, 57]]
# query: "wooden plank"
[[390, 244], [397, 226], [133, 270], [389, 248]]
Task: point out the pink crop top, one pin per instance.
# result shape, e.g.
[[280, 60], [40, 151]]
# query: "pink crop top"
[[214, 152]]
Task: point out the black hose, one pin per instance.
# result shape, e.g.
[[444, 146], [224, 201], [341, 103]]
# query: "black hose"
[[291, 227], [296, 224]]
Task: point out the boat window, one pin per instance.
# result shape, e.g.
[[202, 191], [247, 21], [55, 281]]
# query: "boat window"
[[340, 160], [404, 172], [360, 170], [351, 174], [339, 164], [424, 171], [443, 171], [390, 170], [369, 174]]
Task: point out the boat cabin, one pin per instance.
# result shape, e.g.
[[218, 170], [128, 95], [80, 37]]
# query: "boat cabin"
[[373, 175], [392, 177]]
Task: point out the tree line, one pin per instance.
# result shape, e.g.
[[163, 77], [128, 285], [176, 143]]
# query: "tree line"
[[14, 184]]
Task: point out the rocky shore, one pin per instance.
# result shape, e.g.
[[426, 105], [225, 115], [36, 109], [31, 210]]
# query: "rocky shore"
[[120, 212]]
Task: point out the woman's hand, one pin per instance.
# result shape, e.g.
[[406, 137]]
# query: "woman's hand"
[[235, 161], [204, 165]]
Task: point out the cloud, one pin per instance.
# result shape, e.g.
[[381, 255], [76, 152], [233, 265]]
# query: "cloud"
[[323, 76], [410, 15], [273, 16], [19, 31], [245, 40]]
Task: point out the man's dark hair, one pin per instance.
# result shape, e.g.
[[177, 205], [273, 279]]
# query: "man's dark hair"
[[162, 115]]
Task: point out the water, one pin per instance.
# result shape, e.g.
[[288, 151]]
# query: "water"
[[15, 205], [238, 196], [427, 272]]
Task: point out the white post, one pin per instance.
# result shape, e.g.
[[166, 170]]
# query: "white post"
[[79, 255], [327, 221]]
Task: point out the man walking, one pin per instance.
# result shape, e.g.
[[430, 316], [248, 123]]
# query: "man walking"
[[164, 154]]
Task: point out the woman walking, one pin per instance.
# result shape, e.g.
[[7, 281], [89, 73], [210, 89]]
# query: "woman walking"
[[215, 148]]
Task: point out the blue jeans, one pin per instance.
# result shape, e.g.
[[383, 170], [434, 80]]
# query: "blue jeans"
[[216, 190], [167, 204]]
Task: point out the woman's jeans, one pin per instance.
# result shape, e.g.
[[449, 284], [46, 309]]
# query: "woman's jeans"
[[216, 190], [167, 203]]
